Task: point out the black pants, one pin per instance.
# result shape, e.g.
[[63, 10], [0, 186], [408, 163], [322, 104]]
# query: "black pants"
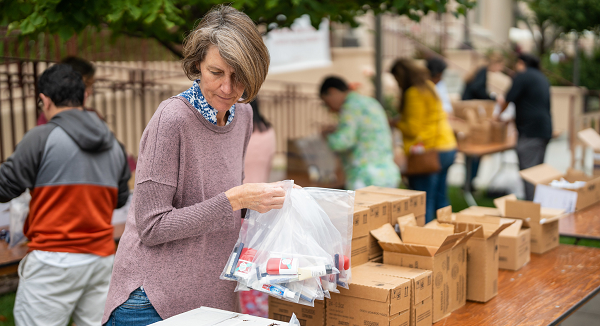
[[531, 152]]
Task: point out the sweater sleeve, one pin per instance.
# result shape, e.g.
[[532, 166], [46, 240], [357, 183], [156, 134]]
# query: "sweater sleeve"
[[157, 221]]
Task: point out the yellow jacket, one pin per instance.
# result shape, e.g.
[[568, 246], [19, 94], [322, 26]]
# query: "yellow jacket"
[[424, 121]]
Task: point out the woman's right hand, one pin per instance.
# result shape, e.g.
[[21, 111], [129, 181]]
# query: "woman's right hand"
[[260, 197]]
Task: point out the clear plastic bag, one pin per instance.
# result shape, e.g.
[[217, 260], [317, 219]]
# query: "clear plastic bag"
[[296, 253], [19, 210]]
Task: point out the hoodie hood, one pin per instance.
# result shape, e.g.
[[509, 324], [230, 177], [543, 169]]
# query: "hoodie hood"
[[86, 129]]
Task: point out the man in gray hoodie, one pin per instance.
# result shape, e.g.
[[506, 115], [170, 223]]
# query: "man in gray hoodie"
[[77, 173]]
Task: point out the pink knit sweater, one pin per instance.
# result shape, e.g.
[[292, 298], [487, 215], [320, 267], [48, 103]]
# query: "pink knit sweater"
[[181, 227]]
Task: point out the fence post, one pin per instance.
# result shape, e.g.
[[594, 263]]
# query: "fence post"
[[378, 59]]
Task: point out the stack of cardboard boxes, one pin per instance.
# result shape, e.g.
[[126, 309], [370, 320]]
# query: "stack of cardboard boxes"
[[441, 251], [383, 295], [476, 124], [373, 207]]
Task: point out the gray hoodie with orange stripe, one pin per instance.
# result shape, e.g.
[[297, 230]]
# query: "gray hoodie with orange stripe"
[[77, 173]]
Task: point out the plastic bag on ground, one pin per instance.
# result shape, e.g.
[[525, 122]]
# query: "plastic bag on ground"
[[299, 253]]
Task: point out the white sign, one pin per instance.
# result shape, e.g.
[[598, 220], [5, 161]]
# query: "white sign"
[[299, 47], [550, 197]]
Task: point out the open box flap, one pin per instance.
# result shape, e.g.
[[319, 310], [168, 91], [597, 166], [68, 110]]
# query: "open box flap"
[[425, 236], [480, 211], [523, 209], [501, 203], [551, 214], [514, 227], [491, 225], [541, 174], [386, 233], [467, 236], [590, 137], [410, 249], [444, 214], [468, 227], [573, 175]]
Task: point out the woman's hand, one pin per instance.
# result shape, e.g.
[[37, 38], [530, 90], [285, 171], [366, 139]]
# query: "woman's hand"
[[260, 197]]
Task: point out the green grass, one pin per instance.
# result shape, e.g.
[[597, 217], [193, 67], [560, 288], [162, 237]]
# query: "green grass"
[[457, 199], [582, 242], [7, 301]]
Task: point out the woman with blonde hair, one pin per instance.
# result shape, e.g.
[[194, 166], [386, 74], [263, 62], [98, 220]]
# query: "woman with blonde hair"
[[185, 215], [424, 126]]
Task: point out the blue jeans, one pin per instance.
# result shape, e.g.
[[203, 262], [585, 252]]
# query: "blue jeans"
[[136, 311], [434, 185]]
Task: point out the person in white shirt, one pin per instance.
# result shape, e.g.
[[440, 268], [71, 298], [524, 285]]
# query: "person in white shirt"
[[436, 67]]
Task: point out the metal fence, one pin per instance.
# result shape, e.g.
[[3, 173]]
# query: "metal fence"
[[127, 95]]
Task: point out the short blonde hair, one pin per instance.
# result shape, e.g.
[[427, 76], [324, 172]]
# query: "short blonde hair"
[[239, 43]]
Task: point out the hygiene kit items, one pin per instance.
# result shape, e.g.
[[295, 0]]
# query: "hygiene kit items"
[[300, 252]]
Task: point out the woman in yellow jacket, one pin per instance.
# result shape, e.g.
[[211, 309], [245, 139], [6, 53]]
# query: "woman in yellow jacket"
[[423, 124]]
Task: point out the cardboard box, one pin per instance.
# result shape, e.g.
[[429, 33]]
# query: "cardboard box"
[[482, 108], [308, 316], [514, 246], [360, 253], [543, 174], [592, 139], [373, 299], [421, 287], [420, 220], [514, 242], [498, 131], [432, 249], [206, 316], [360, 222], [397, 205], [377, 260], [416, 198], [543, 222], [378, 211], [482, 254]]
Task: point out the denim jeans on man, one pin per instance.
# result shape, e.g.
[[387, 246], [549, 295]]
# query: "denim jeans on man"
[[435, 185], [136, 311]]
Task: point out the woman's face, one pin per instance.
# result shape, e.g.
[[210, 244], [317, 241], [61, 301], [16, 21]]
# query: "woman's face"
[[217, 81]]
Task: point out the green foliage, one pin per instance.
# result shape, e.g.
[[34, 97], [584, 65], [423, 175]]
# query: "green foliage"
[[560, 74], [169, 20], [576, 15]]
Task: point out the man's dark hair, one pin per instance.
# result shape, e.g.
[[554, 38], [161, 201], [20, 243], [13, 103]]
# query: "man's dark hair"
[[82, 66], [333, 82], [436, 66], [62, 85], [530, 60]]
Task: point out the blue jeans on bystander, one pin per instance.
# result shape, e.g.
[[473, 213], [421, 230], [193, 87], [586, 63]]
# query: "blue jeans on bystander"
[[435, 185], [136, 311]]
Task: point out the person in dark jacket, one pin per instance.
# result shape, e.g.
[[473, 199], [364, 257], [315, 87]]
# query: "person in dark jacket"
[[530, 92], [77, 174], [476, 88]]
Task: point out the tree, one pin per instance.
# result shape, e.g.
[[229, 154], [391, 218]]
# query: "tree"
[[554, 17], [168, 21]]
